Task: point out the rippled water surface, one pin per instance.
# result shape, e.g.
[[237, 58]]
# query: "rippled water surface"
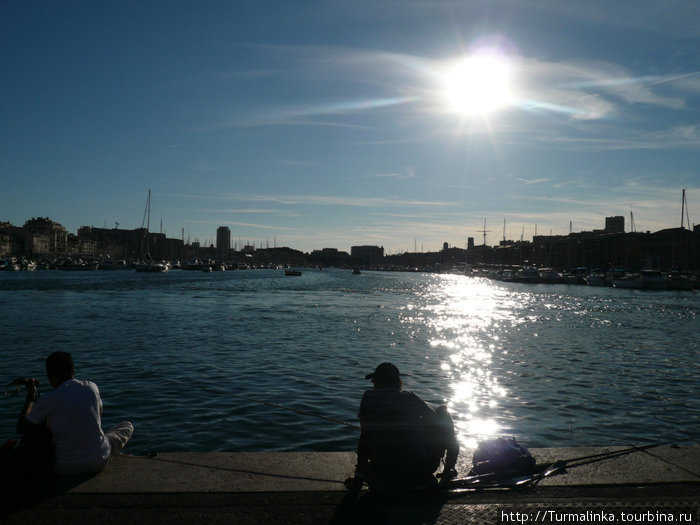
[[553, 365]]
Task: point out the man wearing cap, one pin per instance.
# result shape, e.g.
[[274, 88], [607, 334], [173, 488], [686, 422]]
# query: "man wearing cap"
[[402, 439]]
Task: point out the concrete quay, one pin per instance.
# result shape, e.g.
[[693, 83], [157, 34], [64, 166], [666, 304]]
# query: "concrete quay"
[[307, 488]]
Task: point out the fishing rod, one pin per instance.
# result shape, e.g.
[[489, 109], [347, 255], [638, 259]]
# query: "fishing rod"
[[594, 458], [515, 478]]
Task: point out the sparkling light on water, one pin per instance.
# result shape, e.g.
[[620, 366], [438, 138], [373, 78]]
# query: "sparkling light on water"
[[552, 365], [467, 317]]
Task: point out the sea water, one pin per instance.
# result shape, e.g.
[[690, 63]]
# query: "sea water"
[[191, 358]]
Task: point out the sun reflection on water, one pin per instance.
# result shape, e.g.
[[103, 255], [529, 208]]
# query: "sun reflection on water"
[[468, 315]]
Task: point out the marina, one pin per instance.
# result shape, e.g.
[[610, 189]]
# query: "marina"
[[553, 365]]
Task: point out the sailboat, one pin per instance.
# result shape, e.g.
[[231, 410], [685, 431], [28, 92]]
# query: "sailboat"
[[150, 265]]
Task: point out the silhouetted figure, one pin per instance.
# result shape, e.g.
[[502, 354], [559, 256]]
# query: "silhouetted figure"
[[403, 439], [72, 414]]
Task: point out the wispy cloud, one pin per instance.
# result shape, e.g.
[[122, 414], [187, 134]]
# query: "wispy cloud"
[[684, 137], [235, 210], [295, 115], [408, 173], [577, 89], [362, 202], [316, 200], [534, 181], [242, 224], [589, 89]]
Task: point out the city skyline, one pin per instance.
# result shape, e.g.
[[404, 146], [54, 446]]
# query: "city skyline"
[[314, 125]]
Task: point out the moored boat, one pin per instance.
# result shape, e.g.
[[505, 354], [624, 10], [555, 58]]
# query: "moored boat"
[[569, 278], [596, 278], [527, 275], [9, 266], [550, 276], [633, 281], [678, 281], [152, 267], [109, 264], [77, 266], [654, 280]]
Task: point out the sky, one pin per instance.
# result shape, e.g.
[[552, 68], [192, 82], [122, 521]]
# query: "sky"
[[328, 124]]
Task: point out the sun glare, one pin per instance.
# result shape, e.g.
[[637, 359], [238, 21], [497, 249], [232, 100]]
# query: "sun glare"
[[479, 84]]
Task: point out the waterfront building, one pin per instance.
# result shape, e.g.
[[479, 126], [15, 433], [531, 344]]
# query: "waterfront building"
[[47, 236], [223, 243], [114, 242], [14, 241], [367, 255], [5, 245], [668, 249], [328, 257], [615, 224]]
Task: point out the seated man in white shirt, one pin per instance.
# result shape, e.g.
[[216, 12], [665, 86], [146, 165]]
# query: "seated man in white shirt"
[[72, 412]]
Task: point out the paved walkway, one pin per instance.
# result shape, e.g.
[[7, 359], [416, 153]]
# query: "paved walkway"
[[307, 488]]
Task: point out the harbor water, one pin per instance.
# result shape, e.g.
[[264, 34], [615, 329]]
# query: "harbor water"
[[190, 357]]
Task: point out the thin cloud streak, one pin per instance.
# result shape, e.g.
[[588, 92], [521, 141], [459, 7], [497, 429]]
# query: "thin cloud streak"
[[243, 224], [318, 200], [581, 90]]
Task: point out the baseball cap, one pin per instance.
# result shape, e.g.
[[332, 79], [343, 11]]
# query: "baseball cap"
[[384, 372]]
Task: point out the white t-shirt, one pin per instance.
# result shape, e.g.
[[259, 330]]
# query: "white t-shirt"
[[72, 412]]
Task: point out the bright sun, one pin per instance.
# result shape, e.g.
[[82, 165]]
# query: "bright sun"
[[479, 84]]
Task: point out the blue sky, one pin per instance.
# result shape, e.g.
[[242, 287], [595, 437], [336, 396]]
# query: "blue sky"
[[330, 124]]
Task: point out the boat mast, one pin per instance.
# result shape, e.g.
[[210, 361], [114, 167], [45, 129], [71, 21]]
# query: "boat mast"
[[484, 231], [147, 217], [684, 210]]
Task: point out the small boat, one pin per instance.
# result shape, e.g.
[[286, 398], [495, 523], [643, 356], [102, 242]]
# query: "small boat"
[[569, 278], [654, 280], [527, 275], [28, 266], [152, 266], [294, 273], [549, 276], [678, 281], [630, 281], [9, 266], [356, 271], [192, 265], [109, 264], [79, 266], [596, 278]]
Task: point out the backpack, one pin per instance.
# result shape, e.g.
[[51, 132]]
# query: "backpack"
[[499, 456]]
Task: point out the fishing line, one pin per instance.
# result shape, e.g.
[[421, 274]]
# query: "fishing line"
[[297, 411], [274, 405], [593, 458]]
